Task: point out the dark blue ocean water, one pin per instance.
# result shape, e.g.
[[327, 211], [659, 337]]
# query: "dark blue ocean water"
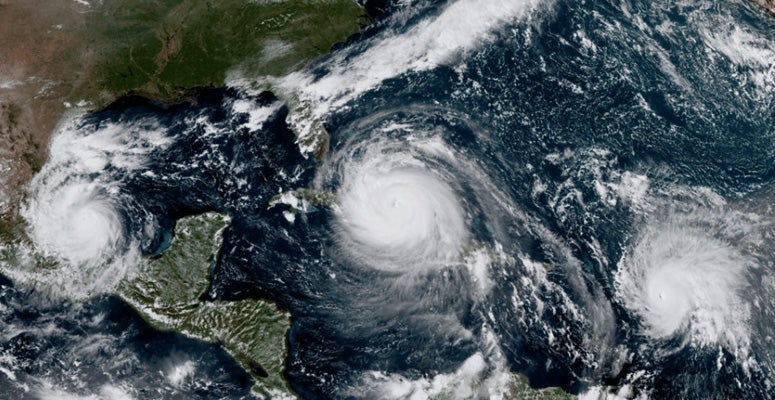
[[577, 97], [50, 347]]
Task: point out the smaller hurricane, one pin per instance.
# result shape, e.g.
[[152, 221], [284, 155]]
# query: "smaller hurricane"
[[77, 214], [76, 223], [397, 209], [682, 281]]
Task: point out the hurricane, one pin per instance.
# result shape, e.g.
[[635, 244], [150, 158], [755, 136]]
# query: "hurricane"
[[407, 197], [78, 213], [681, 281], [81, 226], [464, 199], [396, 210]]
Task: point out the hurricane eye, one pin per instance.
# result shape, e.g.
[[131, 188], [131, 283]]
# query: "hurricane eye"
[[687, 283], [397, 211]]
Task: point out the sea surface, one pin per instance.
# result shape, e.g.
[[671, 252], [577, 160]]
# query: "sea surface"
[[576, 191]]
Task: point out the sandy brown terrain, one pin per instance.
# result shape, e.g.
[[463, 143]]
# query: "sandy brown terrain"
[[46, 62], [40, 64], [55, 54], [768, 4]]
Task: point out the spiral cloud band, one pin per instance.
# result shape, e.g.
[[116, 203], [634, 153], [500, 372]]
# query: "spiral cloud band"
[[77, 214], [682, 281], [76, 223], [396, 209]]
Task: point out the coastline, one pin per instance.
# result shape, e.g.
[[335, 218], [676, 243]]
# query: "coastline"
[[59, 56]]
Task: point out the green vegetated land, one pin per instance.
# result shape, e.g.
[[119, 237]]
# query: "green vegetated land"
[[163, 48], [169, 292], [519, 389], [88, 54]]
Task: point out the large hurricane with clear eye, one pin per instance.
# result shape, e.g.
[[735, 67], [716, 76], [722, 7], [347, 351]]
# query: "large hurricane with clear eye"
[[423, 235], [406, 198], [397, 212]]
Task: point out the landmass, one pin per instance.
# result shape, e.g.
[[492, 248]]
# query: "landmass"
[[169, 292], [519, 389], [768, 4], [57, 55], [62, 55]]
